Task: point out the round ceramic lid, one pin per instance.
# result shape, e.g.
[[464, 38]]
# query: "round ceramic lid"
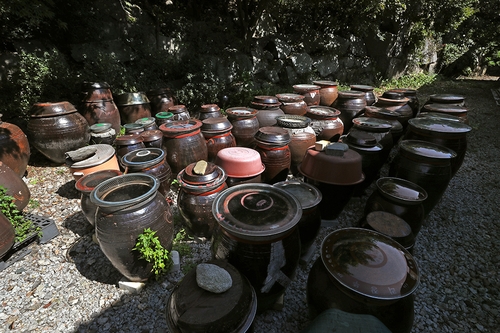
[[401, 189], [151, 135], [209, 108], [440, 115], [164, 115], [405, 91], [241, 112], [179, 108], [306, 87], [216, 125], [388, 224], [360, 138], [446, 108], [145, 121], [128, 139], [307, 194], [325, 83], [265, 99], [293, 121], [273, 135], [351, 94], [100, 127], [446, 98], [381, 112], [439, 125], [51, 109], [427, 149], [180, 127], [212, 177], [102, 154], [361, 87], [370, 264], [369, 123], [323, 112], [253, 211], [143, 158], [287, 97]]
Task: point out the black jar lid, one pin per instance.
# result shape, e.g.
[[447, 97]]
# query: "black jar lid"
[[361, 87], [308, 195], [426, 149], [143, 158], [211, 178], [272, 135], [360, 138], [381, 113], [216, 125], [265, 99], [447, 98], [445, 108], [40, 110], [389, 224], [370, 264], [351, 94], [133, 127], [405, 91], [256, 211], [325, 83], [372, 124], [176, 109], [146, 121], [393, 94], [128, 139], [440, 115], [401, 190], [434, 125], [209, 108]]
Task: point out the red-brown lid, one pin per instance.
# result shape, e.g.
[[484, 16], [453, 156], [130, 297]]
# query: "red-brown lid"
[[39, 110], [176, 128], [240, 162]]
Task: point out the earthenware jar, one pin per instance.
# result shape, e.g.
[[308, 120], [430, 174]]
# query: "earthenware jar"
[[126, 205], [310, 93], [132, 106], [272, 145], [452, 99], [292, 104], [368, 90], [180, 112], [411, 94], [362, 271], [257, 233], [395, 101], [389, 116], [245, 125], [127, 143], [86, 184], [102, 133], [209, 111], [399, 197], [96, 91], [380, 129], [200, 183], [133, 128], [309, 198], [14, 147], [217, 134], [439, 115], [102, 158], [268, 108], [151, 161], [328, 92], [232, 311], [350, 103], [326, 122], [15, 186], [98, 106], [148, 123], [335, 171], [242, 165], [184, 143], [55, 128], [425, 164], [164, 117], [447, 133], [7, 235], [160, 100], [152, 138], [448, 109]]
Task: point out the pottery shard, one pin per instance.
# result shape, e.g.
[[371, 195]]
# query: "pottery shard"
[[213, 278]]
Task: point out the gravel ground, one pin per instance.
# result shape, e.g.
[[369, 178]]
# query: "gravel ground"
[[68, 285]]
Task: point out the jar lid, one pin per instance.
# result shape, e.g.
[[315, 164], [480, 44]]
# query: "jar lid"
[[308, 195], [103, 153], [240, 162], [151, 135], [351, 94], [289, 98], [447, 98], [372, 124], [265, 99], [388, 224], [265, 106], [241, 112], [370, 264], [176, 128], [322, 112], [216, 125], [88, 86], [293, 121], [405, 91], [176, 109], [440, 115], [209, 108], [146, 121], [436, 125], [100, 127], [39, 110], [395, 95], [361, 87], [325, 83], [306, 87], [133, 127], [212, 177], [445, 108], [143, 158], [427, 149], [360, 138], [131, 98], [273, 136], [164, 115], [88, 182], [128, 139], [256, 211], [401, 190], [381, 113]]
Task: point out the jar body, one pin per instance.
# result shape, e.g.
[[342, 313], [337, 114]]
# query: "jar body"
[[7, 235], [267, 117], [310, 93], [350, 104], [244, 129], [129, 113], [277, 160], [101, 111], [184, 150], [160, 170], [15, 152], [218, 141], [401, 107], [328, 93], [328, 129], [123, 149], [299, 144], [334, 198], [160, 100]]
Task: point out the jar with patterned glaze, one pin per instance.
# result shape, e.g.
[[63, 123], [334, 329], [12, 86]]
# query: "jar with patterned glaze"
[[310, 93], [180, 112], [326, 122], [98, 106], [209, 111], [268, 108], [292, 104], [272, 145]]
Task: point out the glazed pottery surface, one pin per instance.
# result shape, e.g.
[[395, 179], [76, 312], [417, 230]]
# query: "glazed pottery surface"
[[380, 129], [101, 111], [328, 92], [245, 125], [293, 104], [411, 94], [272, 145], [448, 109], [15, 186], [160, 100], [310, 92], [217, 133], [132, 106], [102, 158], [350, 103], [180, 112], [396, 102], [209, 111], [14, 147], [368, 90], [326, 122], [127, 143], [7, 235]]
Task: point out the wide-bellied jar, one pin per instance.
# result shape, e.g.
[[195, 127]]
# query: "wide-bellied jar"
[[180, 112], [126, 143], [328, 91], [309, 198], [245, 125], [450, 134], [242, 165], [209, 111], [310, 93], [380, 129], [272, 145], [160, 100], [426, 164], [183, 143], [292, 104], [411, 94], [132, 106], [387, 115], [448, 109], [14, 147], [86, 184], [326, 122], [335, 171], [439, 115], [365, 272], [268, 108], [368, 90], [126, 206], [257, 233], [396, 102], [200, 183], [350, 103], [152, 138], [55, 128], [399, 197], [151, 161], [446, 98], [98, 106], [217, 134]]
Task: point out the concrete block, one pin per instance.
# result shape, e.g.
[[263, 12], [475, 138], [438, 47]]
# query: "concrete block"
[[133, 287]]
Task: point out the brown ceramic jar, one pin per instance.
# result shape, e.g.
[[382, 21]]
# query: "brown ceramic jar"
[[350, 103], [389, 116], [328, 92], [152, 138], [397, 102], [97, 105], [448, 109], [310, 93], [272, 145], [326, 122], [7, 235], [217, 134], [411, 94], [245, 125], [380, 129], [15, 186], [368, 90], [127, 143], [14, 147], [209, 111], [160, 100], [292, 104], [268, 108], [180, 112], [132, 106]]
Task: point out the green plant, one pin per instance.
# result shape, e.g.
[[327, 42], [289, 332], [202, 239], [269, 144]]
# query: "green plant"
[[413, 81], [33, 203], [22, 226], [179, 243], [150, 248]]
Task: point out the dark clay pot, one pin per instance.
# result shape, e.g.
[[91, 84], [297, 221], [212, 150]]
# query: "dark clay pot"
[[164, 117], [196, 196], [368, 90], [425, 164], [56, 128], [15, 186], [7, 235], [397, 102], [209, 111], [411, 94], [350, 103], [127, 143], [101, 111], [152, 138], [102, 133], [310, 92], [160, 100], [245, 125], [126, 205], [399, 197], [14, 147], [132, 106], [217, 134], [272, 145], [292, 104], [448, 110], [328, 92], [389, 116], [378, 128], [180, 112], [326, 123], [184, 144], [268, 108]]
